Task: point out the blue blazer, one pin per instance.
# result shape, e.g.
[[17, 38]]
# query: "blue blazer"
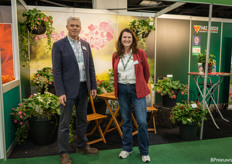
[[66, 71]]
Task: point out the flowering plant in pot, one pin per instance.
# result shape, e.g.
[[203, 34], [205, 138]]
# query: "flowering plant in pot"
[[202, 59], [189, 117], [36, 23], [43, 79], [142, 28], [38, 105], [188, 113], [167, 87]]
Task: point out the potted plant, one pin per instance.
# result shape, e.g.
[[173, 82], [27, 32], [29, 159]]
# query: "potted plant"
[[202, 59], [36, 23], [43, 80], [169, 89], [142, 28], [38, 113], [189, 117]]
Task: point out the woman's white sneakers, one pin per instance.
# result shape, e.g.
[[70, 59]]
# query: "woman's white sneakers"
[[124, 154], [146, 158]]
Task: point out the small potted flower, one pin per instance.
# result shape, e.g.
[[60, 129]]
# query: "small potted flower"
[[188, 116], [202, 59], [37, 114], [43, 80], [36, 23], [142, 28], [169, 89]]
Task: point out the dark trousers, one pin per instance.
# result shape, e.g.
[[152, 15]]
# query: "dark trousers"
[[80, 102]]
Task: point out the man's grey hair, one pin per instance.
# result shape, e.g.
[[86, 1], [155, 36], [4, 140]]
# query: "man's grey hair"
[[72, 18]]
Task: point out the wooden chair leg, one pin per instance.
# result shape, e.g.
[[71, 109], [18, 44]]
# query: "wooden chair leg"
[[154, 125], [95, 127], [101, 133], [134, 121], [152, 119]]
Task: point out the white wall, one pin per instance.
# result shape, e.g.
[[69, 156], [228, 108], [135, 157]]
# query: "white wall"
[[109, 4]]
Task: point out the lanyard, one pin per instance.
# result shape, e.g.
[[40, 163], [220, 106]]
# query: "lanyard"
[[124, 66]]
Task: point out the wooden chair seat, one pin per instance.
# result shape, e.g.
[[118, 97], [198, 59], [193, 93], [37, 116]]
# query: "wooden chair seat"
[[95, 116], [149, 108]]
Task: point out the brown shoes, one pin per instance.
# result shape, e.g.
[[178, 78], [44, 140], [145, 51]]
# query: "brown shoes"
[[87, 150], [64, 158]]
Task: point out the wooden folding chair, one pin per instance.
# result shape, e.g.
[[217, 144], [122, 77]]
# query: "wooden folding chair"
[[152, 118], [98, 118], [153, 110]]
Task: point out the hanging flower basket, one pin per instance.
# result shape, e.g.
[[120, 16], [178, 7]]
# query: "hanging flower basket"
[[41, 29], [37, 23], [142, 29]]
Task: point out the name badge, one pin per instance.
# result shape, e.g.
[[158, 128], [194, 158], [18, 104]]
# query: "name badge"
[[84, 48], [135, 62]]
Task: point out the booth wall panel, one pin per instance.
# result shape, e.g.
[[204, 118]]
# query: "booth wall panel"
[[11, 100], [172, 49]]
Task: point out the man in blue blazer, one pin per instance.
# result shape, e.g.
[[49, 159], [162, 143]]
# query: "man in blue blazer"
[[74, 79]]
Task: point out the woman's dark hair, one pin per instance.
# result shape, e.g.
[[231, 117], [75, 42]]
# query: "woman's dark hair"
[[119, 46]]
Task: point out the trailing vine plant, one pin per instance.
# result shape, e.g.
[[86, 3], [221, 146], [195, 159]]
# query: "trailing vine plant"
[[142, 28], [35, 19]]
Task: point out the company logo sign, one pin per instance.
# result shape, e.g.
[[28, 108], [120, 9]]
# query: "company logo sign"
[[199, 28]]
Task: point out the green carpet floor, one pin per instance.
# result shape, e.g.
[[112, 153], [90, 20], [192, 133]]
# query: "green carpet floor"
[[195, 152]]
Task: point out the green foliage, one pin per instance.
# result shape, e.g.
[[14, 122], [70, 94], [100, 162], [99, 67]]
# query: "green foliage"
[[106, 86], [34, 18], [187, 114], [43, 78], [141, 28], [43, 105], [111, 81], [202, 58], [151, 65], [113, 104], [167, 86]]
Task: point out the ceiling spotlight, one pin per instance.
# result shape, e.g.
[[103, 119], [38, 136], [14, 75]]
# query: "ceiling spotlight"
[[149, 3]]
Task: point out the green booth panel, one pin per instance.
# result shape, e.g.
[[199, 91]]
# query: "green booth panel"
[[11, 100], [214, 49]]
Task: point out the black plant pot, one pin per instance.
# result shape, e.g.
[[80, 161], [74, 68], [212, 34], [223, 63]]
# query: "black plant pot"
[[188, 132], [168, 102], [44, 129], [41, 29], [209, 67]]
